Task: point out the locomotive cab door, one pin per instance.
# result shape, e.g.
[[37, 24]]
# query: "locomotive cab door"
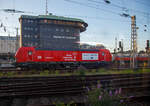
[[103, 56]]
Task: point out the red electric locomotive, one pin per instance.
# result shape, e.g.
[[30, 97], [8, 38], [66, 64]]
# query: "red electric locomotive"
[[31, 57]]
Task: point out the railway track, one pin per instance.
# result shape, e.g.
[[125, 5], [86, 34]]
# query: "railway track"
[[95, 78], [131, 84], [66, 84], [14, 69], [41, 87]]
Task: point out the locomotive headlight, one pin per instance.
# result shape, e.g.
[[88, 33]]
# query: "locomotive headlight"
[[30, 53]]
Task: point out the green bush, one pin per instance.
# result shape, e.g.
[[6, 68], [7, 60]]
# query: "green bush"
[[98, 96], [57, 72], [82, 72], [46, 72], [1, 74], [10, 74], [63, 104]]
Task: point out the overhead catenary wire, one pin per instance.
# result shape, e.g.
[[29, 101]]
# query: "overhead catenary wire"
[[126, 10], [142, 2], [95, 18], [114, 5], [96, 6], [92, 6], [111, 4], [121, 7]]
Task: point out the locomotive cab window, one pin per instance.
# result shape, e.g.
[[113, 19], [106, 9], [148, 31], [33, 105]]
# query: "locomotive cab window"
[[30, 53]]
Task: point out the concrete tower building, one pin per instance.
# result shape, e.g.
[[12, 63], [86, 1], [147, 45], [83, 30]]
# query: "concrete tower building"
[[50, 31]]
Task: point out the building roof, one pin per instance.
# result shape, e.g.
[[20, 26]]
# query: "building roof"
[[54, 17], [61, 18], [7, 38]]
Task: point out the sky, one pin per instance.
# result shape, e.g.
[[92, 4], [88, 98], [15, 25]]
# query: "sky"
[[105, 22]]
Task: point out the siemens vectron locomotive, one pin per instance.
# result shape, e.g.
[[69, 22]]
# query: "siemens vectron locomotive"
[[31, 57]]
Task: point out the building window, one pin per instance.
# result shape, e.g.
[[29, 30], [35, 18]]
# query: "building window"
[[67, 30], [25, 36], [36, 36], [45, 21], [76, 34], [36, 29], [28, 36], [42, 21], [31, 44], [36, 43], [25, 28], [49, 36], [24, 44], [31, 21], [62, 30], [49, 29], [24, 20], [57, 29], [28, 21], [49, 21]]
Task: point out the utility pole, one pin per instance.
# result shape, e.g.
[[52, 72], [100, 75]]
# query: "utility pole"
[[149, 58], [133, 42], [115, 49], [17, 39], [122, 45], [148, 51]]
